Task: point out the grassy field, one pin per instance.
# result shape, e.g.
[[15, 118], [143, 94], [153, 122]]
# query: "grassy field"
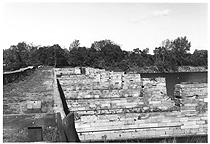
[[36, 86]]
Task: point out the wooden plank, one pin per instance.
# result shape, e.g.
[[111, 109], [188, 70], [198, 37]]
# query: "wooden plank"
[[69, 128], [17, 121], [60, 127]]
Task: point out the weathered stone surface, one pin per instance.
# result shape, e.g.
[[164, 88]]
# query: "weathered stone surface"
[[114, 105]]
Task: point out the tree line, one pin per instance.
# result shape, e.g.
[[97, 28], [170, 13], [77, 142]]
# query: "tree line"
[[106, 54]]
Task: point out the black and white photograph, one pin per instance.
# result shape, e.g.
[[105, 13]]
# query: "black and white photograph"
[[104, 71]]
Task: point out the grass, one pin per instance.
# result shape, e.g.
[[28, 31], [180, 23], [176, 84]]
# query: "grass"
[[189, 139], [36, 86]]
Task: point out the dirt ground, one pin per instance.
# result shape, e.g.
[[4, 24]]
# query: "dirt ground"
[[37, 86]]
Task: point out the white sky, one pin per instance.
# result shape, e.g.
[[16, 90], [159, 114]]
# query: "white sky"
[[131, 25]]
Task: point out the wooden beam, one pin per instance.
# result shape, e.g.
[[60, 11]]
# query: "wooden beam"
[[69, 127], [62, 135]]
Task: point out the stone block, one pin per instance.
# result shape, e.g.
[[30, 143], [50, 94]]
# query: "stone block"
[[149, 125], [167, 120], [186, 130], [178, 131], [184, 119], [190, 123], [154, 102], [169, 132], [88, 118], [138, 133], [200, 122], [81, 137], [34, 106], [189, 126], [205, 99], [141, 121], [154, 120], [174, 124], [194, 118], [160, 132], [204, 118], [194, 130], [202, 133], [150, 133]]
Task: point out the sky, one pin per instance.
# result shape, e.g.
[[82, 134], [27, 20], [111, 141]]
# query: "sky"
[[131, 25]]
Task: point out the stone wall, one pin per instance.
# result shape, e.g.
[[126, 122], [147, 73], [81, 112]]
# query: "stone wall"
[[116, 106]]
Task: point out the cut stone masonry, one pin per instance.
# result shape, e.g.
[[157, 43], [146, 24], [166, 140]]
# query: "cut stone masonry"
[[116, 106]]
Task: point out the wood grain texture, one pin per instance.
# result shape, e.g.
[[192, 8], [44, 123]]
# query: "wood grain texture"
[[61, 131], [69, 127]]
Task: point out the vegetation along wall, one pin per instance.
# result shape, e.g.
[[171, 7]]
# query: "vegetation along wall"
[[116, 106]]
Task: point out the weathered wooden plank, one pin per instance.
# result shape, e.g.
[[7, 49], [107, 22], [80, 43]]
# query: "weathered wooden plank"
[[69, 128], [62, 135], [17, 121]]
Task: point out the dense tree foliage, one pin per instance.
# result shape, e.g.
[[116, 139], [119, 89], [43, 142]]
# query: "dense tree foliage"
[[106, 54]]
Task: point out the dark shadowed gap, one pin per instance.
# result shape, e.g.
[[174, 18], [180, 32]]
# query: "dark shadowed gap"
[[63, 99], [176, 78], [35, 134]]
